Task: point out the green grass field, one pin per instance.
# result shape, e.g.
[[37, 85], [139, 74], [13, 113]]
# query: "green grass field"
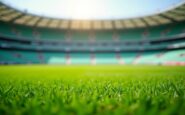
[[130, 90]]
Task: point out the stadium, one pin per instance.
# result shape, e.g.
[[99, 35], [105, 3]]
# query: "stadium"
[[86, 65]]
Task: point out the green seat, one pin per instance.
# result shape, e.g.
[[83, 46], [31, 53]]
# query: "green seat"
[[106, 58]]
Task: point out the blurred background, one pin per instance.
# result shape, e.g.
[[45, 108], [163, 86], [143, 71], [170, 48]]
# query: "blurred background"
[[92, 32]]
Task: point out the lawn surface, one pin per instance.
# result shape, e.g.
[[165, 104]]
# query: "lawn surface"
[[110, 89]]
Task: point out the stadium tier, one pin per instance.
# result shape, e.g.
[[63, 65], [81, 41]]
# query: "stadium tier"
[[25, 32], [152, 57]]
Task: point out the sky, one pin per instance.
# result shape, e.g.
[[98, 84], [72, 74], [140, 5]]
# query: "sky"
[[93, 9]]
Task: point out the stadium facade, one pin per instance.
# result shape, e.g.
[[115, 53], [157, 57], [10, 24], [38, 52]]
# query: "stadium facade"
[[31, 39]]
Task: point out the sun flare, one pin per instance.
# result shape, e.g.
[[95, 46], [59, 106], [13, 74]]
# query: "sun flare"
[[78, 8]]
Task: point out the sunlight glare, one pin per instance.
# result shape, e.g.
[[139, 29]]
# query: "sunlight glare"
[[85, 9]]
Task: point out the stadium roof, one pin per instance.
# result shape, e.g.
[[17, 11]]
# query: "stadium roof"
[[11, 15]]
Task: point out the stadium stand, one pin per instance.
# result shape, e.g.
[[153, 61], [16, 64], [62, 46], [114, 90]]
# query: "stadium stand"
[[29, 57], [157, 39], [24, 32]]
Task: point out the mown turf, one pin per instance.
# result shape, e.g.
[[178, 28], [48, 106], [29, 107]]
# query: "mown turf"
[[130, 90]]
